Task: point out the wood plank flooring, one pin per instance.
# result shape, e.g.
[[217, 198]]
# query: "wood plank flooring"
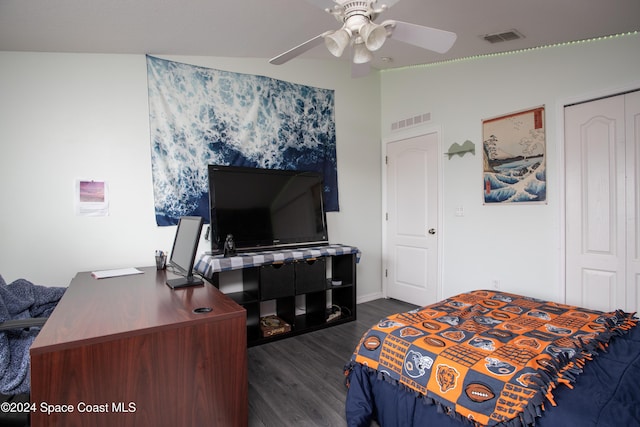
[[299, 381]]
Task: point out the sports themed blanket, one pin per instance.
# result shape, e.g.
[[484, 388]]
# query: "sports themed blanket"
[[490, 358]]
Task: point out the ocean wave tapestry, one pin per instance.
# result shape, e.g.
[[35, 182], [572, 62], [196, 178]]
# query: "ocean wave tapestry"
[[514, 158], [200, 116]]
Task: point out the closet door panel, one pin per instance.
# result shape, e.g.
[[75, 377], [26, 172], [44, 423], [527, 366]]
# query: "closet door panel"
[[595, 204], [632, 120]]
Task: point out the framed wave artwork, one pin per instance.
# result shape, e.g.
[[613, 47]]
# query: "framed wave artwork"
[[514, 158]]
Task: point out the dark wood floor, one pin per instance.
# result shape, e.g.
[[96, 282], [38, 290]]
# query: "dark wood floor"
[[299, 381]]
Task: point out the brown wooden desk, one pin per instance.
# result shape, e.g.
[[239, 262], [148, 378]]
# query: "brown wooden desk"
[[130, 351]]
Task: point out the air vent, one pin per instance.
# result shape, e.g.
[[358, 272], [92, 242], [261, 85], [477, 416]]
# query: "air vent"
[[503, 37], [411, 121]]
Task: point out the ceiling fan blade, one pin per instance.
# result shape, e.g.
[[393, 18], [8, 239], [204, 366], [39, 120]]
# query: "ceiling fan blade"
[[360, 70], [298, 50], [425, 37]]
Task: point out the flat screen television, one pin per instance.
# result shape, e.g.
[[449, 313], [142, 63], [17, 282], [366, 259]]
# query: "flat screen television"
[[183, 253], [265, 208]]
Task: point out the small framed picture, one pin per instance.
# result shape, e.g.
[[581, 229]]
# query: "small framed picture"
[[92, 198]]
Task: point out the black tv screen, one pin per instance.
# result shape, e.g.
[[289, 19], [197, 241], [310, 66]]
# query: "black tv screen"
[[265, 208]]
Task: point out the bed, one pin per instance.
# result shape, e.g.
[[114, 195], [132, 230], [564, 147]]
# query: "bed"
[[488, 358]]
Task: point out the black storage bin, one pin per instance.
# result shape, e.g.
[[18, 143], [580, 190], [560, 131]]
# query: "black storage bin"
[[276, 281], [311, 275]]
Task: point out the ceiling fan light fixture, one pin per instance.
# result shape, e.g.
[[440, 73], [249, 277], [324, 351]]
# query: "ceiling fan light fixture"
[[374, 35], [365, 36], [361, 55], [337, 41]]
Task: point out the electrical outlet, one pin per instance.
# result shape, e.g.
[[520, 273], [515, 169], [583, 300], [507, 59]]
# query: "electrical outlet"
[[496, 284]]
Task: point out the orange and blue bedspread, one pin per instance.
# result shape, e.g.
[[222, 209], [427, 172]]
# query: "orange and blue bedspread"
[[492, 358]]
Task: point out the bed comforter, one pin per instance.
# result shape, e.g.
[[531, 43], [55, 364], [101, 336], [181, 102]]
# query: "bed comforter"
[[489, 358]]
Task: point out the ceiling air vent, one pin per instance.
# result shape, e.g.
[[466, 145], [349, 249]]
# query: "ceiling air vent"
[[503, 37]]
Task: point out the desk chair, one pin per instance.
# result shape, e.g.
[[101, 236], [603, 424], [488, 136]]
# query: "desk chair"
[[8, 418]]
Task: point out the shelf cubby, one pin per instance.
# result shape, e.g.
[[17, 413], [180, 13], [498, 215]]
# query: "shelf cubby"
[[299, 291]]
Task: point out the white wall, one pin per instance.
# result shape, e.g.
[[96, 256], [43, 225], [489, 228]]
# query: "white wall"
[[68, 116], [521, 246]]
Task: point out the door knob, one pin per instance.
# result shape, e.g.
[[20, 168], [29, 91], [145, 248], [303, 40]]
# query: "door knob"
[[432, 231]]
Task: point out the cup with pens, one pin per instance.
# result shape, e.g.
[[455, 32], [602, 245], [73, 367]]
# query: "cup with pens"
[[161, 260]]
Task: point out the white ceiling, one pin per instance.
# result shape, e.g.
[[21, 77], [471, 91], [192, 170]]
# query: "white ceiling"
[[266, 28]]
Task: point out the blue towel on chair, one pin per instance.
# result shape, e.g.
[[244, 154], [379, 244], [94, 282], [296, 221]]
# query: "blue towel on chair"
[[21, 299]]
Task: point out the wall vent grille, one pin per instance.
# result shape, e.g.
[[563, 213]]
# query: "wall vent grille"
[[411, 121]]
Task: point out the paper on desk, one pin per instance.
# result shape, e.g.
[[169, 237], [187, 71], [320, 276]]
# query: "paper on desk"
[[102, 274]]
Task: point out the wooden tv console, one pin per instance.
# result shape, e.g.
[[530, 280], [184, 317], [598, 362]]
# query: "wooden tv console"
[[307, 286]]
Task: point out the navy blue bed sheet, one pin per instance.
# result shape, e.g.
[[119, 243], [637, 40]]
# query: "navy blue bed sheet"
[[606, 394]]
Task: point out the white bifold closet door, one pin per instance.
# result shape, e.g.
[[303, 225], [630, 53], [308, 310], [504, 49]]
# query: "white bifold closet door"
[[602, 165]]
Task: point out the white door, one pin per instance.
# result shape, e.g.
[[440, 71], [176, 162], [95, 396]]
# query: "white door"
[[632, 121], [412, 219], [601, 210]]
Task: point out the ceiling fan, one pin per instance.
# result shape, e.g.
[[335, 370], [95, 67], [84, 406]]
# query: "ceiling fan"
[[365, 36]]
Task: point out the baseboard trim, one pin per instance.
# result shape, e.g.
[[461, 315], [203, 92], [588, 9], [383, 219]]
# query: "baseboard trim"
[[370, 297]]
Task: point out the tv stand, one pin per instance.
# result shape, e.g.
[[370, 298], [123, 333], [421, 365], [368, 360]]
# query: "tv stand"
[[307, 288]]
